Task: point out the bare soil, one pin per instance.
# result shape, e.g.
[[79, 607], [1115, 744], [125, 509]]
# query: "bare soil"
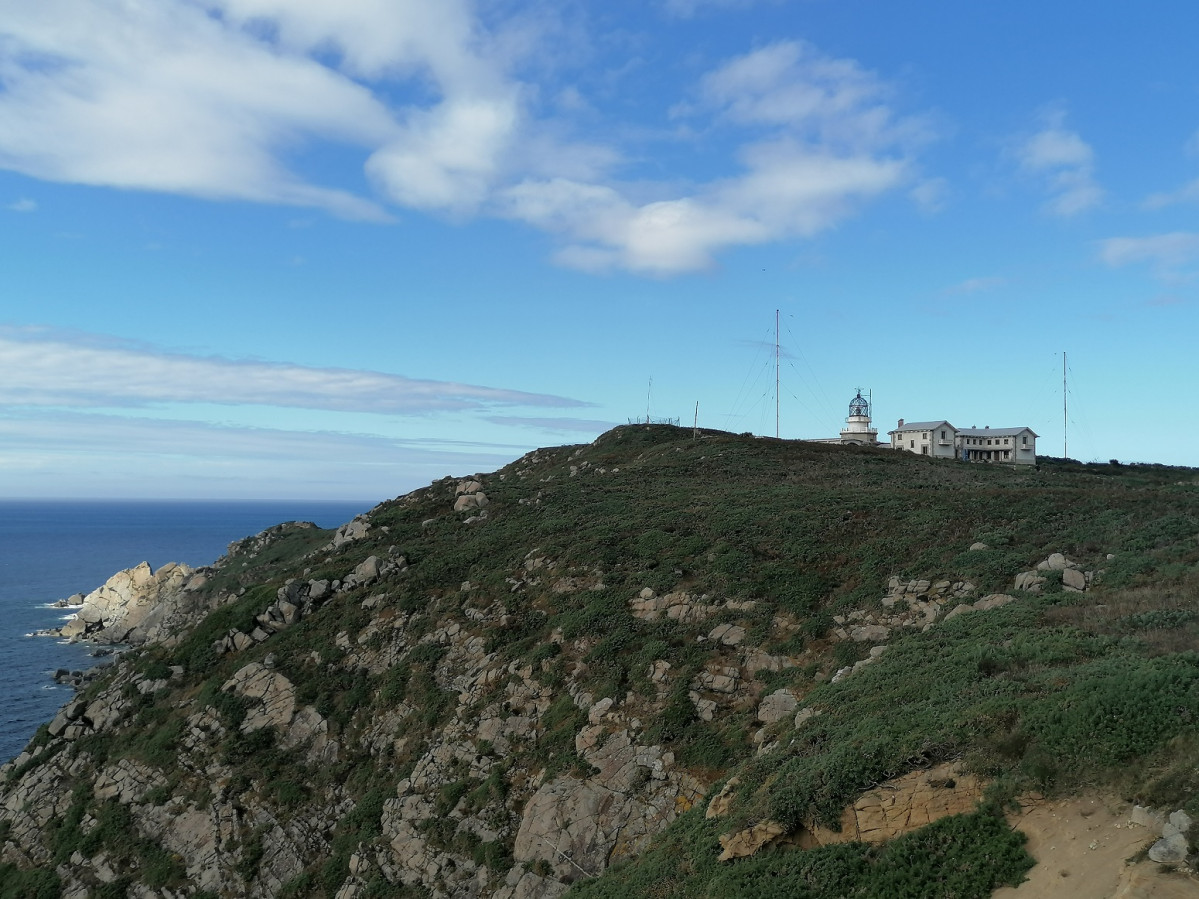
[[1088, 847]]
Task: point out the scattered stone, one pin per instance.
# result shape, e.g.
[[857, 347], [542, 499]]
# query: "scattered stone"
[[720, 804], [806, 714], [349, 532], [728, 634], [778, 705], [1171, 850], [1179, 823], [869, 633], [1030, 582]]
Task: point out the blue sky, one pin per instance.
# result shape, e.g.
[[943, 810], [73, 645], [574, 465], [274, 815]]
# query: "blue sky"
[[296, 249]]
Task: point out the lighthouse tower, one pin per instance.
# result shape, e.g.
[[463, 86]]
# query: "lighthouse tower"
[[857, 430]]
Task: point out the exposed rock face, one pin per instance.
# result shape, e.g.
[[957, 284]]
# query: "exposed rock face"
[[746, 842], [134, 606], [778, 705], [352, 530], [484, 767], [273, 699], [579, 826], [683, 607], [889, 810]]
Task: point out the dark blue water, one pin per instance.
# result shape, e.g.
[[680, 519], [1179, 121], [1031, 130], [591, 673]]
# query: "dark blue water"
[[50, 550]]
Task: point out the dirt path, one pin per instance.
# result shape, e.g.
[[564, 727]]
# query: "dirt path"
[[1082, 847]]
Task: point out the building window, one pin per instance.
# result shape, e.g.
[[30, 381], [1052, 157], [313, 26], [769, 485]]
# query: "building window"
[[942, 433], [924, 449], [911, 444], [1025, 439]]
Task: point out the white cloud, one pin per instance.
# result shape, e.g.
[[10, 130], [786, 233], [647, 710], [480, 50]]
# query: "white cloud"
[[164, 97], [554, 425], [931, 194], [1188, 193], [76, 454], [448, 158], [23, 205], [1065, 163], [211, 98], [1163, 251], [41, 368], [826, 142]]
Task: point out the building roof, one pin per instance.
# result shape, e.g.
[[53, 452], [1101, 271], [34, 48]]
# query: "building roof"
[[993, 432], [920, 426]]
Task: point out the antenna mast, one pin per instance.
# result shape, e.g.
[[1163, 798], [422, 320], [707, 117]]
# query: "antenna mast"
[[776, 374], [649, 398], [1065, 436]]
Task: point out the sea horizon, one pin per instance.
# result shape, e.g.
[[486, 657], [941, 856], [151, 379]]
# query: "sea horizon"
[[52, 548]]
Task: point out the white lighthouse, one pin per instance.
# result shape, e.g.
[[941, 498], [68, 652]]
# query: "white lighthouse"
[[857, 430]]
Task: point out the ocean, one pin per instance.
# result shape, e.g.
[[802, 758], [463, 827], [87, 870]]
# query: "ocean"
[[51, 549]]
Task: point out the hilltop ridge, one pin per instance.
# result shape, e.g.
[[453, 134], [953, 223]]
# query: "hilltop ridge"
[[665, 662]]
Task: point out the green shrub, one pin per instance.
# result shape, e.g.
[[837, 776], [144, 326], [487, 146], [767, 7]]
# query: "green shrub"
[[35, 883]]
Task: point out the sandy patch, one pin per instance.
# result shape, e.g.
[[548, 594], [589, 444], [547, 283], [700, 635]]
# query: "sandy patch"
[[1082, 847]]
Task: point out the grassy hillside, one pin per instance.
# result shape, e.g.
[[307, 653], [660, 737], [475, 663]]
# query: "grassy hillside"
[[1054, 692]]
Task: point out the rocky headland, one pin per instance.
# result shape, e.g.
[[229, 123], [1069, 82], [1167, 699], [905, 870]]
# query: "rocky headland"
[[652, 665]]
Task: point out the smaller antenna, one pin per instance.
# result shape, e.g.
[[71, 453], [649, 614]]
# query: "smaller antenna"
[[695, 423], [1065, 436], [649, 398]]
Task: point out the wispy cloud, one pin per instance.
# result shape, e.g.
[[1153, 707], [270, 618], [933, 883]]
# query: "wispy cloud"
[[1188, 193], [555, 425], [75, 454], [1176, 248], [1168, 255], [172, 97], [687, 9], [1066, 165], [46, 368], [212, 98], [22, 205], [975, 285], [931, 194], [826, 142]]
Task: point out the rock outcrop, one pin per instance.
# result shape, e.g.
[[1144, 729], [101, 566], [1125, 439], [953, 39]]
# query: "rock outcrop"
[[412, 705], [889, 810], [137, 605]]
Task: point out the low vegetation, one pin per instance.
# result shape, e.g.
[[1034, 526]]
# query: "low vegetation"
[[1055, 692]]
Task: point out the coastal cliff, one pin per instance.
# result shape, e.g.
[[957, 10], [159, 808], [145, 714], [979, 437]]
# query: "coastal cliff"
[[665, 662], [136, 606]]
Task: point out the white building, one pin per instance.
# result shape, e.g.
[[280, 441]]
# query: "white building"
[[1012, 445], [941, 440], [928, 438]]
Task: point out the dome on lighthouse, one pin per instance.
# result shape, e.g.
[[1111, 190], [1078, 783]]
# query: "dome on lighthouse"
[[857, 428], [859, 406]]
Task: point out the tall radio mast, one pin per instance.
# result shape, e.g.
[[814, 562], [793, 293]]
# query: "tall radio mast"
[[1065, 436], [776, 374]]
